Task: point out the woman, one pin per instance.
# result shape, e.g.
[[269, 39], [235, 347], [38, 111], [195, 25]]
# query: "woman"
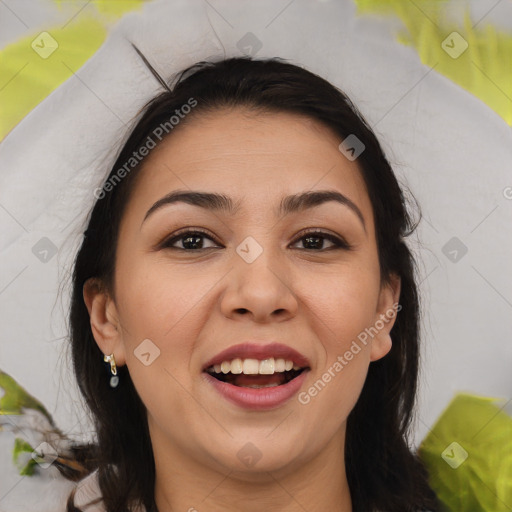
[[244, 276]]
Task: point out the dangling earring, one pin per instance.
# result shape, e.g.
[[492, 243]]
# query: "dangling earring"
[[114, 379]]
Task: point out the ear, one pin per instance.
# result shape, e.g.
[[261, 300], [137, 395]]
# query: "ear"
[[387, 309], [104, 319]]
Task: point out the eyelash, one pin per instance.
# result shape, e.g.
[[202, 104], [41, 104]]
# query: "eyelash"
[[339, 243]]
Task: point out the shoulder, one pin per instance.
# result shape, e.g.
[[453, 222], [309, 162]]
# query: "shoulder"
[[88, 495]]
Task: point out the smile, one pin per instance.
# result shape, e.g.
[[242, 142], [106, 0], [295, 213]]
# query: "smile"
[[256, 384], [252, 373]]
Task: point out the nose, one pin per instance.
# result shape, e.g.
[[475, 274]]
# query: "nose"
[[261, 290]]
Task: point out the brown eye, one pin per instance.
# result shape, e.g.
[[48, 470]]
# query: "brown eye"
[[315, 240], [193, 240], [190, 241]]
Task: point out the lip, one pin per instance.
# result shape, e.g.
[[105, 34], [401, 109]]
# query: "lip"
[[258, 351], [258, 399]]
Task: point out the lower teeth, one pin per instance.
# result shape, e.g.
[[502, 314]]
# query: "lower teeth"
[[257, 386]]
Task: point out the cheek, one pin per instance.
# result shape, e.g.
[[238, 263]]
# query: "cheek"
[[342, 308], [159, 313], [169, 306], [344, 304], [156, 300]]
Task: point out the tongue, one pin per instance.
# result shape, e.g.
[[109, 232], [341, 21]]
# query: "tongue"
[[262, 380]]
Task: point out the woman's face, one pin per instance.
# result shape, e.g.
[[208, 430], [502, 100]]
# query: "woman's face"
[[254, 277]]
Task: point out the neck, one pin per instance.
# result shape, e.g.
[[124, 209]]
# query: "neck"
[[184, 483]]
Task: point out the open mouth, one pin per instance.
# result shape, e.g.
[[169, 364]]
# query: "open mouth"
[[258, 381]]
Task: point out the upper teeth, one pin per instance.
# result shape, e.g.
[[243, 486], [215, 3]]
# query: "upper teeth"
[[254, 366]]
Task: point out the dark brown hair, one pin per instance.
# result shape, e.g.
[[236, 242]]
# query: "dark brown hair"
[[383, 473]]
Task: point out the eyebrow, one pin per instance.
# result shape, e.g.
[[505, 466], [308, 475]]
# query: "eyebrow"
[[289, 204]]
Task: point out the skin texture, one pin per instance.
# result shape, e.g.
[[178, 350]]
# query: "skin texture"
[[194, 304]]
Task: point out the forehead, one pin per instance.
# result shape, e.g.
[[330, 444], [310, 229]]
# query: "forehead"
[[254, 157]]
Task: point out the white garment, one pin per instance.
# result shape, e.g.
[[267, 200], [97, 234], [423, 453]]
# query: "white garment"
[[88, 491]]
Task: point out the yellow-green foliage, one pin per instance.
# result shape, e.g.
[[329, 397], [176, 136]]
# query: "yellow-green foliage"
[[483, 69], [27, 78], [468, 453]]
